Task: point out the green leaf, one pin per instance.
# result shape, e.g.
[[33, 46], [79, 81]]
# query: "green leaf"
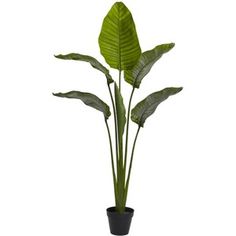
[[145, 63], [94, 63], [118, 39], [89, 99], [120, 110], [147, 106]]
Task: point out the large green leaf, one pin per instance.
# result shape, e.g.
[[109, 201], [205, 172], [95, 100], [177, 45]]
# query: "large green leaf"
[[89, 99], [118, 39], [94, 63], [147, 106], [120, 110], [145, 63]]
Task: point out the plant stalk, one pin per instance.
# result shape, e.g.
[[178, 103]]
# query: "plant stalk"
[[119, 187], [115, 122], [127, 129], [130, 165], [120, 171], [112, 160]]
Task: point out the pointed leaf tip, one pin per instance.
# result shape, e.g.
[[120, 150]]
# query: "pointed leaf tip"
[[57, 94], [172, 45], [119, 3], [58, 56]]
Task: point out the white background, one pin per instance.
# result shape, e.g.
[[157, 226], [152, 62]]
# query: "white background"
[[55, 175]]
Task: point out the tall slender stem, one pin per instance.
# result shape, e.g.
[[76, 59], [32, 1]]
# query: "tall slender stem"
[[127, 129], [120, 171], [130, 165], [112, 160], [115, 122]]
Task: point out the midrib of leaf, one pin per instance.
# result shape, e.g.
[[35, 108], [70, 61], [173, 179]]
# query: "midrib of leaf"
[[119, 50]]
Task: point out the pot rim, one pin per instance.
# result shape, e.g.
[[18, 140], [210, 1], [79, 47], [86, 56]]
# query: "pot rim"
[[112, 210]]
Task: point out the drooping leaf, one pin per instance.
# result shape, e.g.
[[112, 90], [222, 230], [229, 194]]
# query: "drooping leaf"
[[118, 39], [94, 63], [145, 63], [89, 99], [120, 110], [147, 106]]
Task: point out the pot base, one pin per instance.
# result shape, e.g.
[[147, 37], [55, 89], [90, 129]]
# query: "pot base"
[[119, 222]]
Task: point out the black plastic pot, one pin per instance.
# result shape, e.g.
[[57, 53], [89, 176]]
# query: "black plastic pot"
[[119, 222]]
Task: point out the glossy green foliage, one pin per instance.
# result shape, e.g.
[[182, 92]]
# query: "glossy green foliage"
[[147, 106], [145, 63], [93, 62], [88, 99], [118, 39]]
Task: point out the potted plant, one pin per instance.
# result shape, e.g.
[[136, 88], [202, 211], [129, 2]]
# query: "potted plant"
[[120, 47]]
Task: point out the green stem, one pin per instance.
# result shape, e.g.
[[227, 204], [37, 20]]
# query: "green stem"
[[115, 122], [127, 129], [120, 171], [130, 165], [112, 160]]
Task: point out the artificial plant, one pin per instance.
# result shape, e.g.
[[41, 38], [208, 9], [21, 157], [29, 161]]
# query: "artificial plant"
[[120, 47]]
